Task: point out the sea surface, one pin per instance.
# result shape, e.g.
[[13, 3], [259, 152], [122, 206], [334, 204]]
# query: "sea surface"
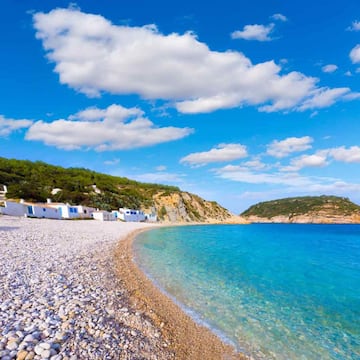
[[275, 291]]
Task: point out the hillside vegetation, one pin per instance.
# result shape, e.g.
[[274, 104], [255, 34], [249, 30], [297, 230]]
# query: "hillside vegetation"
[[307, 207], [37, 181]]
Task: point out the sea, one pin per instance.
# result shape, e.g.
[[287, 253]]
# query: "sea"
[[274, 291]]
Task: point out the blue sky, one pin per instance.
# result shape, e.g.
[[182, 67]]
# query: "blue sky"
[[236, 101]]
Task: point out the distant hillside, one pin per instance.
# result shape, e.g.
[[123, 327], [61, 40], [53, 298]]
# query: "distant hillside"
[[307, 209], [37, 181]]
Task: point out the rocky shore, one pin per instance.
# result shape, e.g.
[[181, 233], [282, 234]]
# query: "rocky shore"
[[60, 297], [70, 290]]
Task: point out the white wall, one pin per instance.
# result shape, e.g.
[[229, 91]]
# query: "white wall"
[[67, 211], [104, 216], [14, 209], [85, 211], [45, 212], [131, 215]]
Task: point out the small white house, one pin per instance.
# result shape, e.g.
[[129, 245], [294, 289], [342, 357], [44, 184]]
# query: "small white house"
[[66, 211], [42, 211], [14, 208], [104, 215], [151, 217], [85, 212], [22, 208], [131, 215]]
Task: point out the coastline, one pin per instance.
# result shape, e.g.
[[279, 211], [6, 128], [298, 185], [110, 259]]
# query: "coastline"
[[183, 336]]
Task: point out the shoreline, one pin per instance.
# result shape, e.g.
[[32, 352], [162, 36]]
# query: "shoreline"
[[185, 338]]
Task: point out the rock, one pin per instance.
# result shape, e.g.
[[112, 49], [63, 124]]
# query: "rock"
[[21, 355], [30, 355], [12, 345], [45, 354], [45, 345], [38, 350]]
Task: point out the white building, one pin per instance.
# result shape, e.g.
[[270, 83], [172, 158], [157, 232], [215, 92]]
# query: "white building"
[[13, 208], [85, 212], [42, 211], [67, 211], [151, 217], [72, 211], [131, 215], [22, 208], [104, 215]]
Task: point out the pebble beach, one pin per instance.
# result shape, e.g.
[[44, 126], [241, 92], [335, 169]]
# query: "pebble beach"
[[60, 297], [69, 291]]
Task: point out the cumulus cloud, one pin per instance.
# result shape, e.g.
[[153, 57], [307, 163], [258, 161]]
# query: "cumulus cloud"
[[93, 55], [355, 26], [254, 32], [279, 17], [283, 148], [314, 160], [348, 155], [221, 153], [7, 126], [113, 128], [255, 164], [355, 54], [330, 68]]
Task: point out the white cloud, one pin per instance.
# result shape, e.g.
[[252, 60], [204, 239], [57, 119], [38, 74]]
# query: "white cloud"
[[314, 160], [330, 68], [279, 17], [355, 26], [350, 155], [324, 97], [355, 54], [254, 32], [289, 145], [255, 164], [242, 174], [112, 128], [291, 183], [7, 126], [93, 55], [348, 73], [223, 152]]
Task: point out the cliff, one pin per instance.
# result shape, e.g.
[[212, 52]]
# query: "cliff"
[[186, 207], [303, 210]]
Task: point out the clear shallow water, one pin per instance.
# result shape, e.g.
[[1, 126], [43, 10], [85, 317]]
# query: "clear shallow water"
[[276, 291]]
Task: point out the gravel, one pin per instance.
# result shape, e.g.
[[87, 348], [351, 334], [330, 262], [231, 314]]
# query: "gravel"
[[60, 298]]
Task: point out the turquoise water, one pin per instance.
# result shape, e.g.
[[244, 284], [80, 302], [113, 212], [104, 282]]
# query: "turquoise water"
[[275, 291]]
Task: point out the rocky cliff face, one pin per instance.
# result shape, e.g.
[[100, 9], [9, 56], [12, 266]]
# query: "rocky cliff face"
[[183, 207], [307, 219]]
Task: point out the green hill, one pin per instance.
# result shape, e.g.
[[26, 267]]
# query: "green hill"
[[36, 181], [296, 206]]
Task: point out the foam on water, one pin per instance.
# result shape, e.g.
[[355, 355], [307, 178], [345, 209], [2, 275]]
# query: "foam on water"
[[276, 291]]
